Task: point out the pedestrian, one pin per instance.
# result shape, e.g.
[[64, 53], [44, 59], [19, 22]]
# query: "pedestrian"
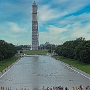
[[73, 88], [21, 88], [87, 88], [6, 88], [51, 88], [10, 88], [62, 88], [3, 88], [66, 88], [25, 89], [76, 88], [81, 87], [56, 88], [48, 88], [43, 88]]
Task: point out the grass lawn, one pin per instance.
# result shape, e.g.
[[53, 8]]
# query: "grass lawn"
[[80, 65], [7, 62], [35, 52]]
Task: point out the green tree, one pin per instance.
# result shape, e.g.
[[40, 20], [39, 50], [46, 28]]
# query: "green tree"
[[7, 50], [78, 49]]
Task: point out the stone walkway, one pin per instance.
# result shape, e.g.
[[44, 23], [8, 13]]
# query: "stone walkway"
[[8, 68], [77, 70]]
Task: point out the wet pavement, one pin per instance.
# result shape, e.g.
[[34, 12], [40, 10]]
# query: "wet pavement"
[[37, 71]]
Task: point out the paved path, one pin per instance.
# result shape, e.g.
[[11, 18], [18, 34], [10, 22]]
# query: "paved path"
[[8, 68], [86, 75]]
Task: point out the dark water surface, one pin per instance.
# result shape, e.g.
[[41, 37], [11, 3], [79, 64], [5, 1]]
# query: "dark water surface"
[[37, 71]]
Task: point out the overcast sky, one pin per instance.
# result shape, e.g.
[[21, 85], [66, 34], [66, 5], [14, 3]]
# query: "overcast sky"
[[59, 20]]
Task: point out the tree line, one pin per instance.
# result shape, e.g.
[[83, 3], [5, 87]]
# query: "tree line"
[[78, 49], [7, 50]]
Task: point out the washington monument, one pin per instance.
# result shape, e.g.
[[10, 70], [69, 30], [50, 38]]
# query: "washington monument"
[[35, 42]]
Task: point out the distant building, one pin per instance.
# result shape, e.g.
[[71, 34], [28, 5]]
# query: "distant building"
[[46, 46], [23, 47], [35, 42], [47, 43]]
